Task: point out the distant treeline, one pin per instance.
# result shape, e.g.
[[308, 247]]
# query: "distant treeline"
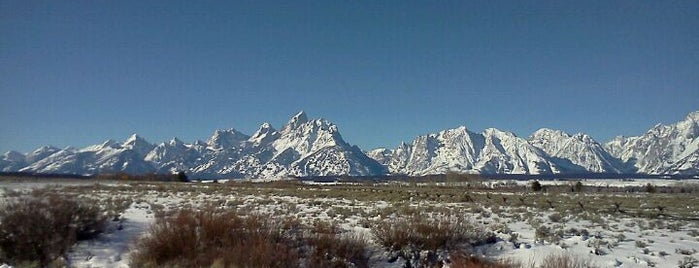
[[449, 177], [106, 176], [455, 177], [30, 175]]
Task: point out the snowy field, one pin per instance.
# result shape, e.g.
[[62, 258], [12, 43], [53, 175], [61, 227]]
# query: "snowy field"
[[603, 229]]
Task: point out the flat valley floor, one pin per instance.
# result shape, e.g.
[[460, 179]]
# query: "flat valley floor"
[[601, 223]]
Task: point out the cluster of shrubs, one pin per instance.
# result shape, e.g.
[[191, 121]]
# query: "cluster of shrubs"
[[424, 241], [220, 238], [38, 229]]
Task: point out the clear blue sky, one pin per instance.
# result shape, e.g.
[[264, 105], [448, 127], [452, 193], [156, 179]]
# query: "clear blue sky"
[[79, 72]]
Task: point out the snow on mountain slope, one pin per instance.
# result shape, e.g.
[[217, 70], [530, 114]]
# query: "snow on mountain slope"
[[662, 149], [580, 150], [12, 161], [381, 155], [687, 165], [301, 148], [505, 153], [41, 153], [449, 150], [174, 156], [460, 150], [304, 147], [108, 157], [311, 148]]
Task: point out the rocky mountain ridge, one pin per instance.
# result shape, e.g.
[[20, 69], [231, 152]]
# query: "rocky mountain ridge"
[[304, 147]]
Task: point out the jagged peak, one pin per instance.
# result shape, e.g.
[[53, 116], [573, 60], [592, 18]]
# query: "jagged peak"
[[226, 137], [135, 138], [549, 132], [380, 149], [228, 133], [175, 141], [264, 129], [263, 134], [13, 155], [266, 125], [694, 116], [459, 129], [584, 138], [45, 148], [496, 132], [297, 120]]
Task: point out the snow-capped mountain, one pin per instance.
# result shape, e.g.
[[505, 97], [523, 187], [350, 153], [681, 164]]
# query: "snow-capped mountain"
[[381, 155], [460, 150], [175, 155], [580, 150], [12, 161], [300, 148], [670, 149], [108, 157], [304, 147]]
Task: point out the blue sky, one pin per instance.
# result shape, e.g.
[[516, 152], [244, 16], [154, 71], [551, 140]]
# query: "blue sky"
[[79, 72]]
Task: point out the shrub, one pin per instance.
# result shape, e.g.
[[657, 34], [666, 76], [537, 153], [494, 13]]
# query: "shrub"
[[200, 238], [42, 227], [688, 262], [555, 217], [423, 240], [641, 244], [564, 261], [536, 186], [544, 233], [337, 251], [462, 260], [650, 188], [182, 177]]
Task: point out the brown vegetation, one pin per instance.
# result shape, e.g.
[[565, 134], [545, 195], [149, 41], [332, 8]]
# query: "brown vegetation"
[[39, 229], [214, 237]]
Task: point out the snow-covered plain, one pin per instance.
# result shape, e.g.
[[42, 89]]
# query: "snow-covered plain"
[[529, 226]]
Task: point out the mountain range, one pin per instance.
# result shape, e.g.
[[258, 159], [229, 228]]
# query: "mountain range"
[[304, 147]]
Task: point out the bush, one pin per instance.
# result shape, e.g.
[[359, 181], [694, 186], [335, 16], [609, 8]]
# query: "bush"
[[536, 186], [41, 228], [182, 177], [213, 237], [564, 261], [424, 240], [338, 251], [463, 260], [555, 217], [544, 233], [650, 188]]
